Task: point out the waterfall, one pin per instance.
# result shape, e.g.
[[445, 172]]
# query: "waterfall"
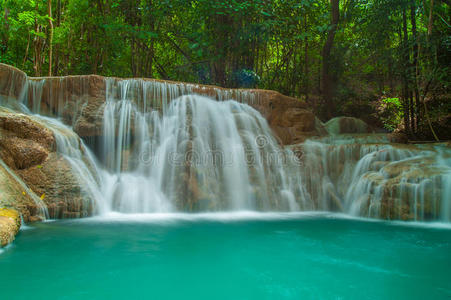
[[191, 153], [83, 164], [363, 176], [165, 147], [82, 161]]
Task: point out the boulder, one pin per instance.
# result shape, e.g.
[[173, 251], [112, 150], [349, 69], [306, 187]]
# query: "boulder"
[[16, 195], [62, 191], [22, 126], [23, 153], [9, 225], [34, 177], [344, 125], [23, 142]]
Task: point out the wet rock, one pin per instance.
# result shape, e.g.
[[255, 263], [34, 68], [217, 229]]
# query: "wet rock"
[[9, 225], [27, 148], [22, 153], [12, 81], [15, 194], [342, 125], [295, 125], [398, 137], [63, 192], [21, 126], [79, 101]]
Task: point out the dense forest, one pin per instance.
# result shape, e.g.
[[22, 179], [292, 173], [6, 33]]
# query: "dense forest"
[[385, 61]]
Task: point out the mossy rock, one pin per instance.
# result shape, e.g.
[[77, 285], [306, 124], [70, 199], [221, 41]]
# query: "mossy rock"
[[9, 225]]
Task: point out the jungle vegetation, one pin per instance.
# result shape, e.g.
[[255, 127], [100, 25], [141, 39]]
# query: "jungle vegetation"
[[386, 61]]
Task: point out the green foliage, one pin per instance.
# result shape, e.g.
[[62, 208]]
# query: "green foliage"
[[390, 111], [233, 43]]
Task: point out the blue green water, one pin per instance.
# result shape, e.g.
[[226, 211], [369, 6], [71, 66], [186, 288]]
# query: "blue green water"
[[227, 256]]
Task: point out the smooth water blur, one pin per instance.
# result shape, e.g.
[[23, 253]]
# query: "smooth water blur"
[[227, 256]]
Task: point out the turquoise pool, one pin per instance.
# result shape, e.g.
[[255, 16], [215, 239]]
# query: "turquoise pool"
[[227, 256]]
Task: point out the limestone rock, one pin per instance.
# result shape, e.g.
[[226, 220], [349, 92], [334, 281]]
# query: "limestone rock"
[[9, 225], [28, 150], [79, 101], [23, 142], [342, 125], [23, 127], [15, 194], [12, 81], [64, 195], [23, 153]]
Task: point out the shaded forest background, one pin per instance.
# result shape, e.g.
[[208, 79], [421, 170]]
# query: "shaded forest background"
[[385, 61]]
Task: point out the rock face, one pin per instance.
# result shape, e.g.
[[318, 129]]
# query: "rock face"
[[79, 101], [28, 150], [9, 225]]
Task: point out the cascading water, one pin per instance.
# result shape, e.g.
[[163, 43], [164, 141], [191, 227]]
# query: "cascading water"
[[191, 153], [82, 161], [69, 146], [365, 176], [163, 148]]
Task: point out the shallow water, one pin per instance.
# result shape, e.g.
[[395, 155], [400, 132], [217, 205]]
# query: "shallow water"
[[227, 256]]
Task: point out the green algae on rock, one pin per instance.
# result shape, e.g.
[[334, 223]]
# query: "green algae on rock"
[[9, 225]]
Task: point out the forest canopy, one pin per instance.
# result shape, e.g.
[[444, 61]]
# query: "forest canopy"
[[386, 61]]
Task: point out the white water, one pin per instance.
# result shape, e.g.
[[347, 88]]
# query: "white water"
[[165, 150], [82, 161], [379, 180], [194, 154], [68, 144]]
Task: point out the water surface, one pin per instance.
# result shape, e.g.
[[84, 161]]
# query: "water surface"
[[227, 256]]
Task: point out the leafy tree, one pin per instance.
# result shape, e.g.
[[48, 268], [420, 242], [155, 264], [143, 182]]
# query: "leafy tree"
[[341, 57]]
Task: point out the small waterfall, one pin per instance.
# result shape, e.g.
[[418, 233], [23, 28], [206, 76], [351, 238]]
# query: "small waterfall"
[[81, 159], [361, 176], [191, 153], [27, 97], [445, 160]]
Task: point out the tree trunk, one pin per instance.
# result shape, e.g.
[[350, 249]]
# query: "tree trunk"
[[49, 11], [6, 33], [327, 85], [37, 49], [405, 80], [430, 24], [57, 47], [26, 51], [415, 67], [431, 9], [306, 62], [151, 54]]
